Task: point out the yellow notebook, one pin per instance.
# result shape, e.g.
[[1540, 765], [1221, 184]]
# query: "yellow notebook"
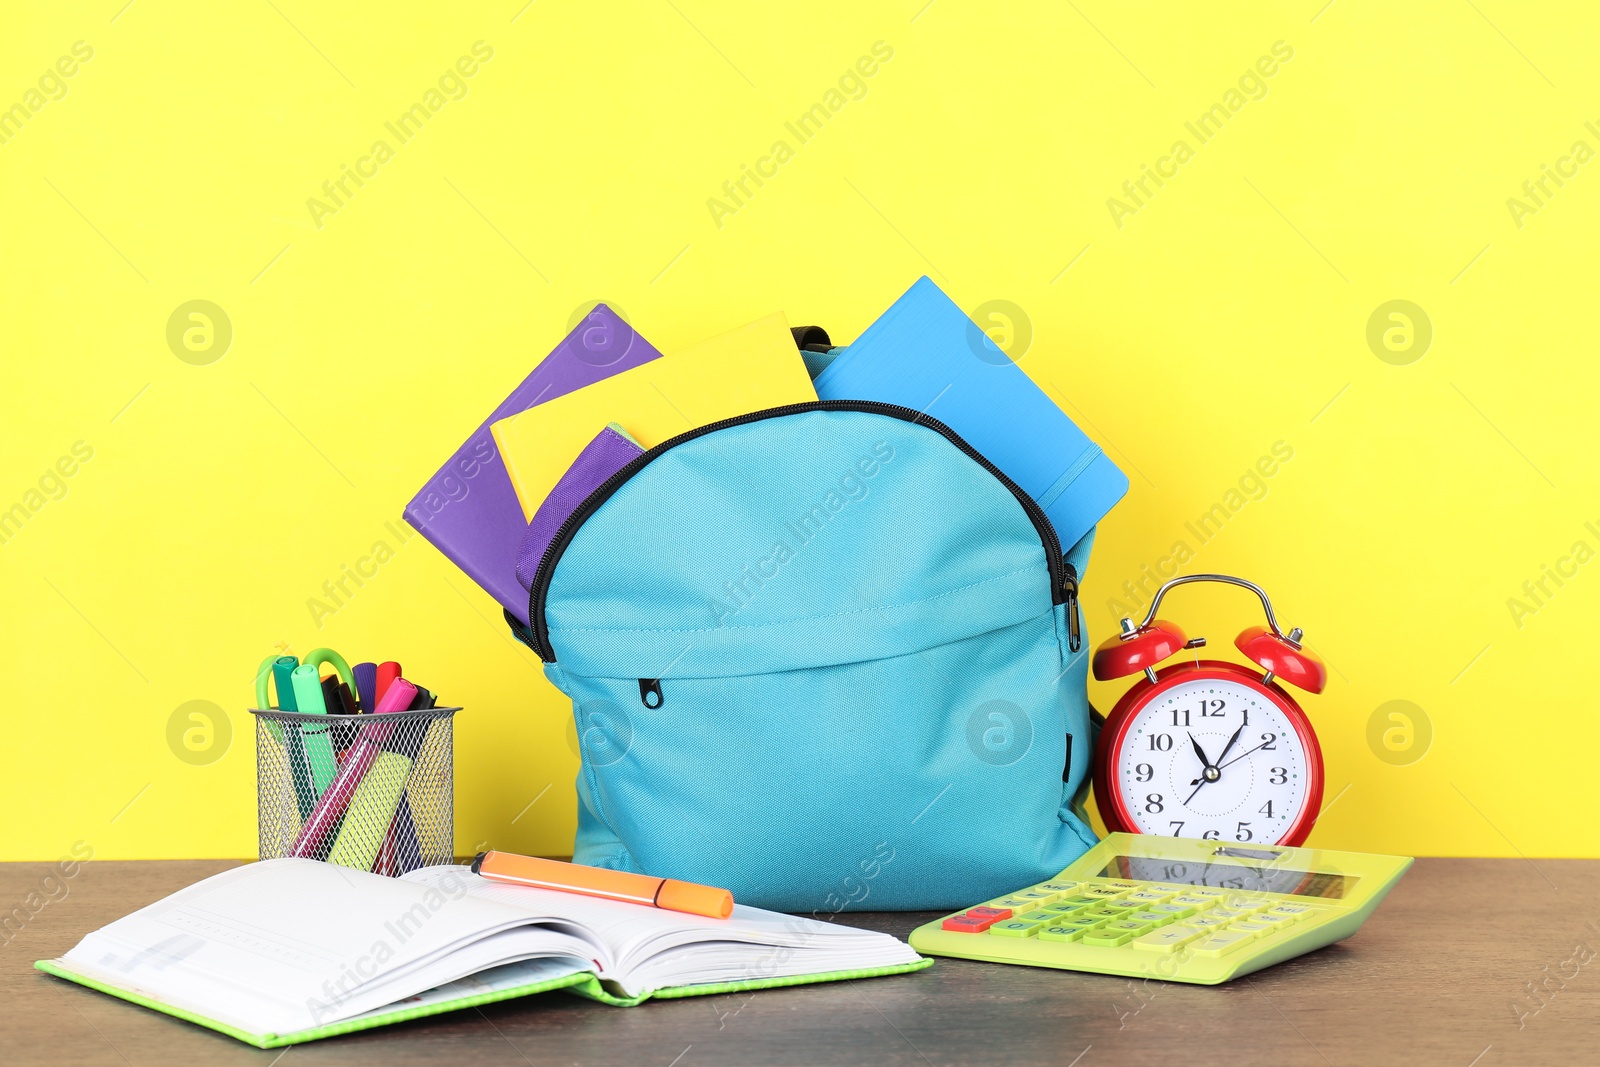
[[748, 369]]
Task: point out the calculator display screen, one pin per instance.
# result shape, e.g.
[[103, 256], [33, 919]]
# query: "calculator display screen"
[[1244, 877]]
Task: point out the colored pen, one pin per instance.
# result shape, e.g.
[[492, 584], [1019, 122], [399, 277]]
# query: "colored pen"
[[667, 893], [388, 671], [280, 669], [366, 675], [401, 850], [307, 689], [372, 807], [283, 681], [336, 695], [336, 798], [307, 684]]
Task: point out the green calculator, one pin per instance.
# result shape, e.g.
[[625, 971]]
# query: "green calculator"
[[1173, 908]]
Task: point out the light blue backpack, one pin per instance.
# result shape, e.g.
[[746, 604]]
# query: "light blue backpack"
[[825, 656]]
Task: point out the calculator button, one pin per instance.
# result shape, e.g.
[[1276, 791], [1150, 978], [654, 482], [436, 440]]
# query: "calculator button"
[[1206, 922], [1290, 911], [1112, 934], [1227, 914], [1148, 896], [1240, 902], [1172, 909], [989, 913], [1122, 904], [1103, 892], [1124, 885], [1167, 939], [1254, 929], [1152, 918], [1096, 914], [1015, 928], [1072, 908], [1189, 900], [1057, 887], [1207, 892], [1100, 914], [1055, 932], [1038, 896], [1012, 902], [968, 924], [1221, 944], [1274, 920]]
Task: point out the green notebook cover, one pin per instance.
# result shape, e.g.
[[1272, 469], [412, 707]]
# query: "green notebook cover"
[[581, 983]]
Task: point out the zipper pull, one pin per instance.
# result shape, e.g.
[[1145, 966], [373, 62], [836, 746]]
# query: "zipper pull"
[[650, 687], [1069, 583]]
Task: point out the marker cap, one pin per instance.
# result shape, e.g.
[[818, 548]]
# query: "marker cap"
[[694, 899]]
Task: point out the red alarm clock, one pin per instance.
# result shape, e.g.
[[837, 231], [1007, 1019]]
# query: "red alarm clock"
[[1207, 748]]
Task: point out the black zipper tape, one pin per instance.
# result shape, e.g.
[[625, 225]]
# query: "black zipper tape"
[[1063, 579]]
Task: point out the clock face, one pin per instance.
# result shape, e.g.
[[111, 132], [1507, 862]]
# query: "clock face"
[[1213, 757]]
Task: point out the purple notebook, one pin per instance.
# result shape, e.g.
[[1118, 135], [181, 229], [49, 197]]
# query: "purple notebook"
[[468, 510], [609, 452]]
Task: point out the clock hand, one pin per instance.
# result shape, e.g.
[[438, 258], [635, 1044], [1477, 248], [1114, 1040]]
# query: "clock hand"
[[1198, 751], [1242, 755], [1216, 767], [1230, 744], [1197, 789]]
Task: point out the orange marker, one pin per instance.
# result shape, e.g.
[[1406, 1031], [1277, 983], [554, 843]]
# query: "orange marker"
[[668, 893]]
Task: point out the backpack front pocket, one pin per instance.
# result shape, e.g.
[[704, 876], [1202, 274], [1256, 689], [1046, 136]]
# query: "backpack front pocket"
[[941, 768]]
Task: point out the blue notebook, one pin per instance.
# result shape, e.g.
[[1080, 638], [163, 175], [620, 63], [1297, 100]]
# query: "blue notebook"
[[924, 353]]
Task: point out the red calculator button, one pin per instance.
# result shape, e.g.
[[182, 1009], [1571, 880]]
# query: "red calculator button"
[[990, 913], [968, 924]]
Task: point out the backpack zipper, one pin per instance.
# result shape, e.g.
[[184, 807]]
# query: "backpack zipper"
[[1063, 577], [1069, 586]]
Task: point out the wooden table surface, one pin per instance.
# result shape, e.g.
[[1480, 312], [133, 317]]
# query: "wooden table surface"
[[1446, 972]]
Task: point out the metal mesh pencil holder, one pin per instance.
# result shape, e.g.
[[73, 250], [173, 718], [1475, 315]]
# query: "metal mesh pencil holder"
[[373, 792]]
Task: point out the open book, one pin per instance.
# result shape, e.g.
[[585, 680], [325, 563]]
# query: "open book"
[[291, 950]]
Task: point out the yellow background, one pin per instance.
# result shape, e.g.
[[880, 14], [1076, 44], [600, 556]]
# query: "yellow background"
[[1228, 313]]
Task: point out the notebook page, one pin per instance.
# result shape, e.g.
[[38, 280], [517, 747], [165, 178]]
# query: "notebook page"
[[705, 962], [288, 944], [492, 980], [751, 943]]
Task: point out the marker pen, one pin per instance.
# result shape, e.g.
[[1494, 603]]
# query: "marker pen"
[[373, 805], [388, 671], [667, 893], [281, 669], [401, 851], [321, 822], [307, 689], [336, 695], [366, 675]]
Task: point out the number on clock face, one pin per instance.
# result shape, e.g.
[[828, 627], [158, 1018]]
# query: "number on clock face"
[[1212, 759]]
